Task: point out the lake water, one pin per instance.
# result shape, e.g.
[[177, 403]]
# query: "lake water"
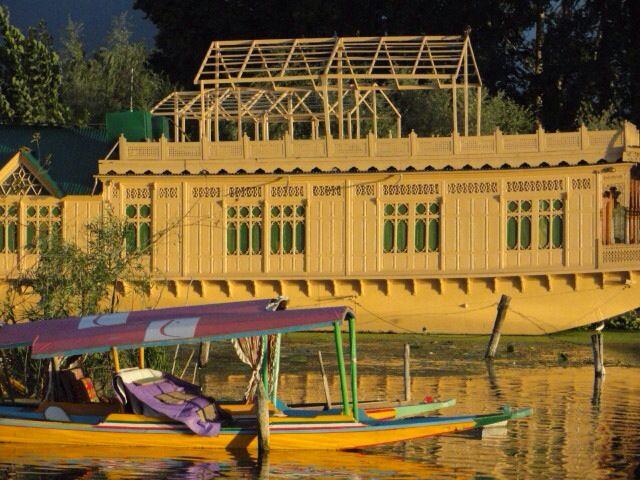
[[576, 432]]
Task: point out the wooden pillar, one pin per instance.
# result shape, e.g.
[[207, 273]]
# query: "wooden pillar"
[[597, 343], [263, 419], [201, 121], [116, 359], [239, 120], [216, 116], [375, 111], [357, 95], [141, 357], [479, 111], [497, 326], [454, 100], [325, 382], [466, 87], [256, 130], [340, 99], [325, 103], [290, 108]]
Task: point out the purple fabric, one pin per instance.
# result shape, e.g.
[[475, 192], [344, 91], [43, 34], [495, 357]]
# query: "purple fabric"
[[186, 411]]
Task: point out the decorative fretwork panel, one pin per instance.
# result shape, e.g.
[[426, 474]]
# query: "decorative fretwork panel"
[[287, 229], [244, 230], [42, 223], [22, 182], [9, 228]]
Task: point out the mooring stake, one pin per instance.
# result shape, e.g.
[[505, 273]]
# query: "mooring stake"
[[497, 326], [263, 419], [325, 382], [407, 372], [597, 342]]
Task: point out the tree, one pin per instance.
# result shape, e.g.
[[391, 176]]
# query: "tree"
[[70, 281], [30, 75], [115, 77]]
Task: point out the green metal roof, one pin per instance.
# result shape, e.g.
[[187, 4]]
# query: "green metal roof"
[[74, 153]]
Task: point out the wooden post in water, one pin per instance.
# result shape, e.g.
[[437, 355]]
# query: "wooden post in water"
[[407, 372], [497, 326], [325, 382], [598, 353]]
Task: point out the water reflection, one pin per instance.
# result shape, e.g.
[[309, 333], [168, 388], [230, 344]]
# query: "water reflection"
[[580, 429]]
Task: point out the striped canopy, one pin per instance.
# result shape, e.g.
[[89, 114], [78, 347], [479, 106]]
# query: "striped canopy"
[[170, 326]]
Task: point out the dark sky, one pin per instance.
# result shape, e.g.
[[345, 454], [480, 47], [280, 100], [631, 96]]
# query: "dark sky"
[[96, 16]]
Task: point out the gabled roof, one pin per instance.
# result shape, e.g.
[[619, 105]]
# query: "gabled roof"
[[67, 156]]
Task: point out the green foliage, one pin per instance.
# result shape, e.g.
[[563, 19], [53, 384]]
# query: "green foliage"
[[430, 113], [102, 82], [30, 75], [626, 321], [67, 280], [604, 120]]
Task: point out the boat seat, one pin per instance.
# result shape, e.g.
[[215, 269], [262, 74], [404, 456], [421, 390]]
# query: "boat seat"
[[130, 403], [54, 413]]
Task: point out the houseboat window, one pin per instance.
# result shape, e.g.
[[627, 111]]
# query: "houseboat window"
[[244, 230], [42, 222], [427, 227], [9, 228], [287, 229], [519, 224], [550, 223], [396, 226], [138, 234]]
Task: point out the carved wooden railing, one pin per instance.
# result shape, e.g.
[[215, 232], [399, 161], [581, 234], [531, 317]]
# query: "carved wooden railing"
[[610, 141], [621, 254]]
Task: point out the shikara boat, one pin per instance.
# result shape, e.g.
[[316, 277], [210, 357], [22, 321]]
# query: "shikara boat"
[[158, 410]]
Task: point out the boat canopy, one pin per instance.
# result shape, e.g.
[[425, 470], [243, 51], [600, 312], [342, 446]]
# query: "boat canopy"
[[171, 326]]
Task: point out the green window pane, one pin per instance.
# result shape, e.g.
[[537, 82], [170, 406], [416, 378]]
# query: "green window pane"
[[257, 211], [287, 238], [56, 211], [300, 211], [145, 211], [275, 237], [434, 235], [388, 236], [244, 237], [512, 233], [512, 206], [557, 229], [130, 238], [256, 238], [244, 212], [275, 212], [525, 206], [13, 210], [1, 210], [421, 236], [544, 205], [31, 211], [44, 211], [130, 211], [31, 235], [288, 211], [2, 235], [231, 238], [434, 208], [525, 232], [300, 237], [231, 212], [421, 209], [402, 236], [543, 232], [402, 209], [12, 237], [557, 204], [389, 209], [145, 236]]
